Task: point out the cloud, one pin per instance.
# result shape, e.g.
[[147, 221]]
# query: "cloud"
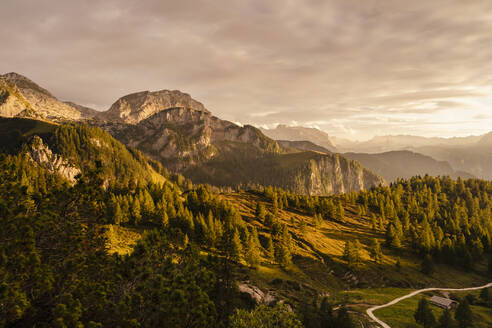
[[265, 62]]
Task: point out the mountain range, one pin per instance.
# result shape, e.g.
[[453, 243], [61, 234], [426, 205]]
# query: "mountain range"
[[179, 132], [405, 155]]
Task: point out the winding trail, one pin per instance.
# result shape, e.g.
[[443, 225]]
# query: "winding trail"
[[396, 300]]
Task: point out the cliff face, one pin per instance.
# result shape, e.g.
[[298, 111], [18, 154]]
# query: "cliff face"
[[334, 174], [136, 107], [21, 97], [42, 155], [182, 137]]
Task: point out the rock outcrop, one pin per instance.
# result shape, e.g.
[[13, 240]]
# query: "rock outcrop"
[[136, 107], [42, 155]]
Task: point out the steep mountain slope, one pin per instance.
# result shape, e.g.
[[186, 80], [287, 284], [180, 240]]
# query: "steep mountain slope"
[[405, 164], [299, 133], [73, 149], [20, 96], [210, 150]]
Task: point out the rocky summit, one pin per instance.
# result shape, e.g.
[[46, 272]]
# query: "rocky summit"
[[19, 96], [136, 107]]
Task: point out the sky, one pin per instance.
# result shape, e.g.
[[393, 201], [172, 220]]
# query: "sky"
[[354, 69]]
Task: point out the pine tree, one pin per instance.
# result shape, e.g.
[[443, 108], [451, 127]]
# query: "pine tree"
[[118, 215], [270, 249], [424, 315], [464, 315], [343, 319], [302, 226], [260, 211], [376, 252], [252, 250], [136, 215], [427, 266], [236, 247], [446, 320]]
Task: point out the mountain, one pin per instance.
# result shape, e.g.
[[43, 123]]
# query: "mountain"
[[180, 133], [207, 149], [136, 107], [405, 164], [299, 133], [21, 97], [303, 145]]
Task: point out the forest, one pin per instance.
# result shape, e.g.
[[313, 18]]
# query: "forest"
[[56, 270]]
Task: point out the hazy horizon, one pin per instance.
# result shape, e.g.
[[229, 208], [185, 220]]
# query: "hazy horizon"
[[353, 69]]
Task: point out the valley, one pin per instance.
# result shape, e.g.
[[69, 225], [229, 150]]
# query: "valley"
[[179, 209]]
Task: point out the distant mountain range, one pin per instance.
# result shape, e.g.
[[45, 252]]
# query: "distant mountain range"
[[406, 155], [178, 131], [299, 133]]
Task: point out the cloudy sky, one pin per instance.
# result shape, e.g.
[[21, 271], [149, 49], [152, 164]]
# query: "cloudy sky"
[[352, 68]]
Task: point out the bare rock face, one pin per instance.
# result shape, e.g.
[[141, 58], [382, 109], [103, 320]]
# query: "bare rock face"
[[136, 107], [181, 137], [42, 154], [20, 96]]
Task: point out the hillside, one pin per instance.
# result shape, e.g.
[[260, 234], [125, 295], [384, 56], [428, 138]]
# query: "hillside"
[[405, 164], [73, 149]]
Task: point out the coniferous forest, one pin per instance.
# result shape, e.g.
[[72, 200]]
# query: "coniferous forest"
[[195, 244]]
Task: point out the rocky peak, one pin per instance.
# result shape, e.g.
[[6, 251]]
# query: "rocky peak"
[[42, 155], [23, 83], [19, 96], [136, 107]]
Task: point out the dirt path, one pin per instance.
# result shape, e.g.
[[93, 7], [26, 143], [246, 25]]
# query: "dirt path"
[[396, 300]]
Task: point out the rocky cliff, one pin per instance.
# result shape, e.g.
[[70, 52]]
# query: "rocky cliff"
[[21, 97], [42, 155], [136, 107]]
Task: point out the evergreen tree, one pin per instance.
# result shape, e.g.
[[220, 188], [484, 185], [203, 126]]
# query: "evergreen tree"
[[446, 320], [136, 215], [376, 252], [343, 319], [270, 249], [260, 211], [118, 215], [464, 315], [252, 250], [427, 266], [236, 246], [424, 315]]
